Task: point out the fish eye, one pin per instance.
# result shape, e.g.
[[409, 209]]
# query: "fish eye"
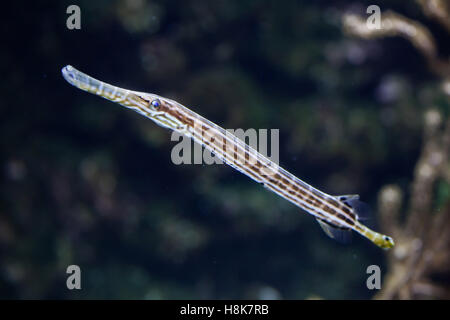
[[156, 103], [386, 238]]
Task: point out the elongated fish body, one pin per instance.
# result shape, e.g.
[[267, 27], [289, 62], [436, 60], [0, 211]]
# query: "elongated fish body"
[[337, 215]]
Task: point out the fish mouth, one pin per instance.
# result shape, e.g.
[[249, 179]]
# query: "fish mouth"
[[69, 73]]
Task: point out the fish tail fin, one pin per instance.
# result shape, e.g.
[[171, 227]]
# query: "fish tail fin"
[[381, 240]]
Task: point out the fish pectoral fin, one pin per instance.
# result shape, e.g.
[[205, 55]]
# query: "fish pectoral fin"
[[341, 235], [361, 209]]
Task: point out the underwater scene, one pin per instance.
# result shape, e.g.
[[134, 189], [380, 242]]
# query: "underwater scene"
[[226, 149]]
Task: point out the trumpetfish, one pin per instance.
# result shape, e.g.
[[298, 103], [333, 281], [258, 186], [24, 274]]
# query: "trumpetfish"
[[337, 215]]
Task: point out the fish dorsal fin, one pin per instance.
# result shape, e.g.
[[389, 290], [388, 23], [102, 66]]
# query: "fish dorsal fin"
[[348, 197], [341, 235], [361, 209]]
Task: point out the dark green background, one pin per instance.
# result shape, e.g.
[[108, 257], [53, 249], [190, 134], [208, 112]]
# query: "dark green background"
[[86, 182]]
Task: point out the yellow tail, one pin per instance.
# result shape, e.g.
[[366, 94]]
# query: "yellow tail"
[[379, 239]]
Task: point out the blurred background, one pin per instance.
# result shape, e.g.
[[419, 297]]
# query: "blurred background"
[[87, 182]]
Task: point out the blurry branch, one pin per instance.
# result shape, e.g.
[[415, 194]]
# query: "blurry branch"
[[422, 237], [394, 24], [446, 86], [438, 10], [422, 233]]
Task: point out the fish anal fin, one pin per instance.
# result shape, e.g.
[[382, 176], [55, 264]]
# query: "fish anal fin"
[[341, 235]]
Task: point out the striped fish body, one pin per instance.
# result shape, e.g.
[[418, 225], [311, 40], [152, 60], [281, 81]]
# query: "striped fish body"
[[337, 215]]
